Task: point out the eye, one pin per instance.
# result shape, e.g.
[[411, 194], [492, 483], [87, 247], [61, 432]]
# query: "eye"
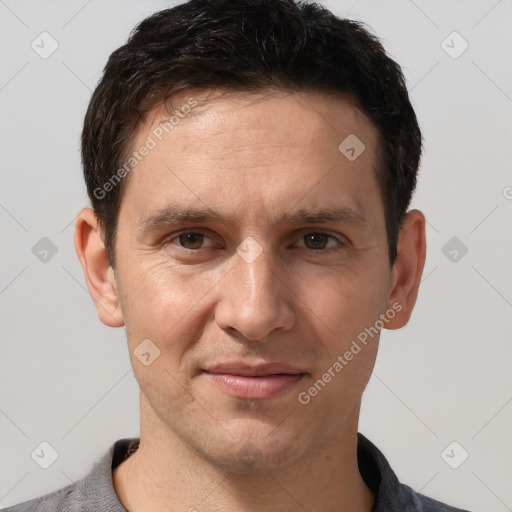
[[188, 240], [319, 241]]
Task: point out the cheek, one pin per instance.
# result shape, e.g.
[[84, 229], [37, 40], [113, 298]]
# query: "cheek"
[[345, 309], [160, 299], [163, 307], [345, 302]]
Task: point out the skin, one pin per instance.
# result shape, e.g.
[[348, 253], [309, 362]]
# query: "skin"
[[251, 159]]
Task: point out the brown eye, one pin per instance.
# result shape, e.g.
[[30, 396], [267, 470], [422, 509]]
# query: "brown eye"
[[316, 240], [191, 240]]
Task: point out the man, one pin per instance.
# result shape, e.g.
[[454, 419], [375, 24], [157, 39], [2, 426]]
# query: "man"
[[250, 164]]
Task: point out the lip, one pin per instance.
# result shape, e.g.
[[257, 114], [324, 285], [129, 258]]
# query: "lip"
[[254, 382], [257, 370]]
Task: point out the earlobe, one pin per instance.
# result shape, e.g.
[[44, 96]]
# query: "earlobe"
[[408, 268], [98, 273]]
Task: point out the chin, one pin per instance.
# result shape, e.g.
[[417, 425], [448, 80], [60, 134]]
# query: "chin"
[[251, 445]]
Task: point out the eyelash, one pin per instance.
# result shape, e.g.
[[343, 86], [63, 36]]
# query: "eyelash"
[[175, 236]]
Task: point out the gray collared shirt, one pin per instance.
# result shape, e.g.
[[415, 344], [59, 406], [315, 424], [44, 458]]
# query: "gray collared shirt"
[[95, 492]]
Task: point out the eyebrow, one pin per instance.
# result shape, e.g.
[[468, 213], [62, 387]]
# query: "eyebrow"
[[338, 215], [175, 214]]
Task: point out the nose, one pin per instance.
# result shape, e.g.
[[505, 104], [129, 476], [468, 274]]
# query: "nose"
[[256, 299]]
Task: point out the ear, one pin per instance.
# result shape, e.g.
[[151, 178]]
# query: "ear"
[[407, 269], [98, 273]]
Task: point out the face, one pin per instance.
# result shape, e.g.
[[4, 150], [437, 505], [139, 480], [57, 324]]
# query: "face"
[[252, 252]]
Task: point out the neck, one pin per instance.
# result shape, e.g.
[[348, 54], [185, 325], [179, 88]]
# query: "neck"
[[166, 475]]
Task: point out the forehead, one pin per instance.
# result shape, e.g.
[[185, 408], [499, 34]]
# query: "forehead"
[[215, 147], [319, 112]]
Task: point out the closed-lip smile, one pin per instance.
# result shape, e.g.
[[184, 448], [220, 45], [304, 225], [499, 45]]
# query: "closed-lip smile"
[[254, 382]]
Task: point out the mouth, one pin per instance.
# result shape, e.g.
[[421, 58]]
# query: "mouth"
[[254, 382]]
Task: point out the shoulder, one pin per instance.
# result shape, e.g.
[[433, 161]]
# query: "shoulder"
[[61, 500], [93, 492], [390, 494], [430, 505], [425, 504]]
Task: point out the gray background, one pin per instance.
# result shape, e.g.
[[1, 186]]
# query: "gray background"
[[66, 379]]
